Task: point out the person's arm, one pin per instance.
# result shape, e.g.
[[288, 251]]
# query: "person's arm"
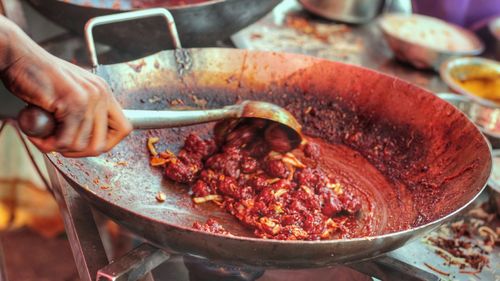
[[89, 119]]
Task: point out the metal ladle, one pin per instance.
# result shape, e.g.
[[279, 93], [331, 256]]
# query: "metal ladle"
[[36, 122]]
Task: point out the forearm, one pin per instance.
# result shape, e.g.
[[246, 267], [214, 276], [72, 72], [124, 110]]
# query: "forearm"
[[14, 44], [8, 34], [89, 120]]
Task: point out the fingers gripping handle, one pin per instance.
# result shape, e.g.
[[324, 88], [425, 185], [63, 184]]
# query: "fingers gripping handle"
[[36, 122]]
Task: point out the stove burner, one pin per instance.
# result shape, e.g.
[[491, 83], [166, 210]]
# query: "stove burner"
[[205, 270]]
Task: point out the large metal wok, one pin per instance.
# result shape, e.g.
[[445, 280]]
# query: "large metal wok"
[[199, 24], [416, 158]]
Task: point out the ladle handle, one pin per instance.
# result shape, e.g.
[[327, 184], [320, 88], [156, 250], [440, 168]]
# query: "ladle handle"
[[151, 119], [36, 122]]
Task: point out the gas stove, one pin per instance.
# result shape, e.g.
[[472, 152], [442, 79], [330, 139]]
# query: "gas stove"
[[287, 28]]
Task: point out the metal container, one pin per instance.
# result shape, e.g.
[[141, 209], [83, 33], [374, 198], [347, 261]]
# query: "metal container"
[[494, 181], [349, 11], [462, 68], [486, 118], [199, 25], [418, 54], [494, 28]]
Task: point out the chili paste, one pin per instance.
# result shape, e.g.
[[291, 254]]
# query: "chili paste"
[[279, 195]]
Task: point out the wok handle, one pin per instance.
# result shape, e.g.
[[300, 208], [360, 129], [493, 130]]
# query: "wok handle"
[[128, 16], [38, 123]]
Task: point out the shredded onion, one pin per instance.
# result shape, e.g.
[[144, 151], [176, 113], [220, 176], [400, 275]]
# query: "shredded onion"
[[211, 197], [151, 145], [437, 270]]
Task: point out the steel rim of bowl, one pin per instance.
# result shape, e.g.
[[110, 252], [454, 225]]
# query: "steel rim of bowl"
[[450, 97], [348, 18], [491, 182], [444, 72], [494, 28]]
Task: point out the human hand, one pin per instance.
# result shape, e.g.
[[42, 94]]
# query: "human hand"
[[88, 118]]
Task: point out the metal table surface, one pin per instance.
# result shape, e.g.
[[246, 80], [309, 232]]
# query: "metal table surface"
[[289, 28]]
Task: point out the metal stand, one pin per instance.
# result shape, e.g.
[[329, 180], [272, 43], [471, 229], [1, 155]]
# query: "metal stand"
[[135, 265], [86, 243], [388, 267], [205, 270]]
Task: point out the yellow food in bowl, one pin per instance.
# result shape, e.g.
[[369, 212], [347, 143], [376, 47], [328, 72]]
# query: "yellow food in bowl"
[[478, 80]]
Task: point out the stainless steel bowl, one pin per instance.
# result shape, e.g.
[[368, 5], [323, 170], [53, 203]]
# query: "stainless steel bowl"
[[494, 28], [420, 55], [349, 11], [462, 68], [486, 118], [494, 180]]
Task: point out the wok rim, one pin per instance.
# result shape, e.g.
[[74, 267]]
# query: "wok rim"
[[178, 7], [91, 196]]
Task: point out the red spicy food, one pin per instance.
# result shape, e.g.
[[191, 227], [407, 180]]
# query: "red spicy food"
[[163, 3], [466, 243], [212, 226], [280, 195]]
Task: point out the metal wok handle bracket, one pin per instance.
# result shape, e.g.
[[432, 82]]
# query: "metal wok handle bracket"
[[128, 16]]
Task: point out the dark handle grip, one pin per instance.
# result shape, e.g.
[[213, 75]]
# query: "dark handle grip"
[[36, 122]]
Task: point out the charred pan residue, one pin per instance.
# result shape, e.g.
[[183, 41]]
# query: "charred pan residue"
[[394, 149], [183, 60]]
